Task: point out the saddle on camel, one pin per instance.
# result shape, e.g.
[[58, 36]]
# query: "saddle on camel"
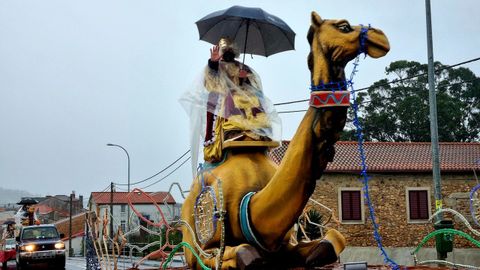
[[261, 202]]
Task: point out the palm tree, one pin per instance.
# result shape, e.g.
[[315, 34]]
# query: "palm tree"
[[311, 225]]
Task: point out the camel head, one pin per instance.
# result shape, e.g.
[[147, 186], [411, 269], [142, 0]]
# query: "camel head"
[[334, 43]]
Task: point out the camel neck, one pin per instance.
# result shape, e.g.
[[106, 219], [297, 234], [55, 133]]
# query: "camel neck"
[[328, 74], [292, 183]]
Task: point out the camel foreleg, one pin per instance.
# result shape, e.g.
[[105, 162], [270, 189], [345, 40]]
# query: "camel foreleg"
[[318, 252], [243, 256]]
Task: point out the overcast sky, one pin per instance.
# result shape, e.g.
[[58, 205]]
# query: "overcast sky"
[[76, 75]]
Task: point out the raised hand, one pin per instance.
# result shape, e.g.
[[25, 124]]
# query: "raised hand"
[[215, 55]]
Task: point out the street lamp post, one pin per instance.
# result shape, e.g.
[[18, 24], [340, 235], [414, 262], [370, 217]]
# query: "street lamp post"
[[128, 183]]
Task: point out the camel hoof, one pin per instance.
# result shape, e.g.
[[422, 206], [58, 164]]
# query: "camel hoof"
[[248, 258], [322, 254]]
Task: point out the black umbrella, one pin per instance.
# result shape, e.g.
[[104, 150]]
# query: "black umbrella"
[[25, 201], [253, 29], [8, 222]]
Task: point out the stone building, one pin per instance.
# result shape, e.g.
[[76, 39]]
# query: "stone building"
[[401, 189]]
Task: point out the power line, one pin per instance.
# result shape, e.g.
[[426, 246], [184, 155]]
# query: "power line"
[[385, 98], [421, 74], [293, 111], [102, 193], [121, 189], [178, 167], [297, 111], [161, 171], [390, 82], [290, 102], [446, 85]]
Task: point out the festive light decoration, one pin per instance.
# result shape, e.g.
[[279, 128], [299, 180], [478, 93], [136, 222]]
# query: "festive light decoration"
[[365, 177], [304, 219], [446, 231], [210, 211], [91, 257], [319, 99], [184, 244], [336, 97], [429, 236], [98, 239], [163, 221], [458, 215], [453, 265], [475, 204], [332, 86], [205, 213]]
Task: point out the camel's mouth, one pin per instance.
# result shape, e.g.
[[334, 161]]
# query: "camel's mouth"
[[377, 45]]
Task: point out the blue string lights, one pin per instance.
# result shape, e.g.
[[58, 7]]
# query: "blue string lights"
[[359, 134], [472, 204], [333, 86]]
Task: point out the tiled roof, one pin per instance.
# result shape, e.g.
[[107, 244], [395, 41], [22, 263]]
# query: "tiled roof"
[[78, 225], [136, 198], [43, 209], [398, 156]]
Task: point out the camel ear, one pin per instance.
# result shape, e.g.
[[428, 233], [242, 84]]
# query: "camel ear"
[[316, 19]]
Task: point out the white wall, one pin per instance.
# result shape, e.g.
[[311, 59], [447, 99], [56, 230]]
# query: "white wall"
[[146, 209], [76, 244]]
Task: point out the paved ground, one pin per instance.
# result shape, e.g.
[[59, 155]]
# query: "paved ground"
[[468, 256], [70, 265], [78, 263], [351, 254]]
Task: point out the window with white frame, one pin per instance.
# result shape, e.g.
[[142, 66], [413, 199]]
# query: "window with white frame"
[[350, 205], [418, 204], [122, 208]]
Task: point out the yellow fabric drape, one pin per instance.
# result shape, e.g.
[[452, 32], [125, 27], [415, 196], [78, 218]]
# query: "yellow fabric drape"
[[245, 98]]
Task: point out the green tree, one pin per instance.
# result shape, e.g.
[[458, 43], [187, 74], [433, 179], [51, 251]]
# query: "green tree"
[[399, 111]]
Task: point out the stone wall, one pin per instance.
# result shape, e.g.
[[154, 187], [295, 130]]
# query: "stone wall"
[[388, 195]]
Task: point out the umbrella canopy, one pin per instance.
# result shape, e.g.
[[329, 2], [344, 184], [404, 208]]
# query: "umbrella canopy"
[[8, 222], [253, 30], [27, 201]]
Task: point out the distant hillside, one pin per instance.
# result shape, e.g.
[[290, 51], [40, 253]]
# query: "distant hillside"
[[13, 196]]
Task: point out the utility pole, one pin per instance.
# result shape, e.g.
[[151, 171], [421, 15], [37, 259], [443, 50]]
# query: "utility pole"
[[433, 114], [111, 210], [443, 242], [70, 249]]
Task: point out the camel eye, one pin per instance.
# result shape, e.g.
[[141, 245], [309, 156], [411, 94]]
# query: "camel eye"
[[345, 28]]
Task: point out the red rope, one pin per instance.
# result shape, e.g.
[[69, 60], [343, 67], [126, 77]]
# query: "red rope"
[[163, 221]]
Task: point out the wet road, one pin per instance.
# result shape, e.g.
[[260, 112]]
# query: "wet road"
[[71, 264], [76, 263]]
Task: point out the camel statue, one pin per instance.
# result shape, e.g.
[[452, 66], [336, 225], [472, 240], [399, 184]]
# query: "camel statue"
[[273, 198]]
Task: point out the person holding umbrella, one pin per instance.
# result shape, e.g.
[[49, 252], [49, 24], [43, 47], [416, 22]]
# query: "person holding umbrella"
[[236, 107], [238, 114], [26, 214]]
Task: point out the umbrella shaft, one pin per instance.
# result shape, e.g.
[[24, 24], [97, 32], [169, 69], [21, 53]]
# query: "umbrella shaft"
[[245, 45]]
